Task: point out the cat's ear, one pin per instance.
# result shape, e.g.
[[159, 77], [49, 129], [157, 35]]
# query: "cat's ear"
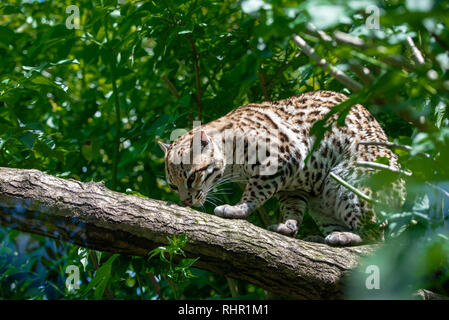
[[164, 146], [205, 139]]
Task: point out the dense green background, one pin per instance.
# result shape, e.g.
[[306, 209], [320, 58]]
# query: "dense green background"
[[91, 103]]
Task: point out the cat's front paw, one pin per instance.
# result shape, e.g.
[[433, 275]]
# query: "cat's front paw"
[[338, 238], [232, 212], [289, 228]]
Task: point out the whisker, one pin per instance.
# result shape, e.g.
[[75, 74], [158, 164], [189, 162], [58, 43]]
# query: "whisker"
[[216, 189], [215, 202], [219, 193], [212, 196], [211, 202], [219, 188], [213, 199], [229, 181], [229, 177]]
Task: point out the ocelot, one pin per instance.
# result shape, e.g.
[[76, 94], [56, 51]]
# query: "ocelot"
[[229, 148]]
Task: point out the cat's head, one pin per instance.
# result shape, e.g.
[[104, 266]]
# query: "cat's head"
[[193, 165]]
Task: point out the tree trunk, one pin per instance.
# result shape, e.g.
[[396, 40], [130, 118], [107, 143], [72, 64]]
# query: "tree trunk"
[[93, 216]]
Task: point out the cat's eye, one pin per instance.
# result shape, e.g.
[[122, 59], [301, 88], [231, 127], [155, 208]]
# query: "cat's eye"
[[173, 187], [210, 168], [190, 181]]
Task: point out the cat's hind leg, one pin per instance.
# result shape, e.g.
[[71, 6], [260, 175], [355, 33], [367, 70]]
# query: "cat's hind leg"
[[338, 214], [342, 238], [338, 235]]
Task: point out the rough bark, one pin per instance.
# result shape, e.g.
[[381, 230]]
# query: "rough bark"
[[93, 216]]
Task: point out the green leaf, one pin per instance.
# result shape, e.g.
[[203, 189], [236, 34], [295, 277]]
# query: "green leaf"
[[28, 139], [422, 204], [324, 15], [101, 279], [43, 65], [187, 263], [383, 160]]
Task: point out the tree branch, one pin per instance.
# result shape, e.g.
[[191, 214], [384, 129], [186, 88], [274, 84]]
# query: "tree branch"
[[197, 74], [336, 73], [347, 38], [342, 182], [380, 166], [363, 73], [171, 87], [417, 55], [440, 41], [118, 120], [90, 215], [263, 84], [386, 144]]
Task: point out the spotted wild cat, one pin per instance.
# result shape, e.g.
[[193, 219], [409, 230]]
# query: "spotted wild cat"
[[226, 151]]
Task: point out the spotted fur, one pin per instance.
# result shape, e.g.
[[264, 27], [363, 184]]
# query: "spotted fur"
[[341, 215]]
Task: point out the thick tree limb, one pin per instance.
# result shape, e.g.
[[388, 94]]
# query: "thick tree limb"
[[93, 216]]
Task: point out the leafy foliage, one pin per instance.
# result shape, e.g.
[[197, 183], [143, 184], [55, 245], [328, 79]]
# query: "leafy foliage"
[[90, 103]]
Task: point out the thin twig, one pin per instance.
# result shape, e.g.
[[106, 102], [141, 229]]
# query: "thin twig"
[[171, 87], [392, 145], [263, 84], [386, 144], [172, 285], [197, 74], [116, 155], [338, 74], [440, 41], [347, 38], [117, 127], [232, 284], [380, 166], [369, 59], [155, 284], [280, 71], [444, 192], [323, 35], [140, 286], [342, 182], [398, 61], [354, 85], [363, 73], [415, 51], [2, 153]]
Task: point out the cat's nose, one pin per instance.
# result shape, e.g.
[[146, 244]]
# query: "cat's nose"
[[187, 202]]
